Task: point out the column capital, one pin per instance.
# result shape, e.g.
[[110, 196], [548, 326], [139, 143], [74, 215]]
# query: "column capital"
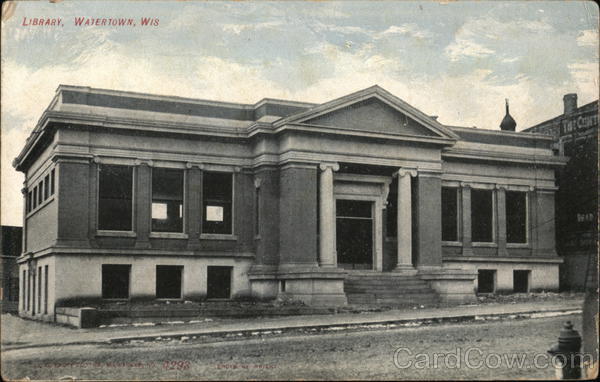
[[145, 162], [465, 185], [257, 182], [325, 165], [406, 171], [501, 187], [24, 191], [532, 188], [197, 165]]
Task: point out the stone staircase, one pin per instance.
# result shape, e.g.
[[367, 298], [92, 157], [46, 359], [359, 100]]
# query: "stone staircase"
[[387, 288]]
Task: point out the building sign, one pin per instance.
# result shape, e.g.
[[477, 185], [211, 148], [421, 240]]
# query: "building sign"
[[579, 123]]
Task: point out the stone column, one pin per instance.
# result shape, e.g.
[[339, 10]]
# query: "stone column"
[[193, 204], [532, 221], [143, 203], [327, 252], [501, 213], [24, 230], [466, 220], [404, 220]]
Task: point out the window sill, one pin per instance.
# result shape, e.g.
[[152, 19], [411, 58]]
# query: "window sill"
[[116, 233], [168, 235], [452, 244], [217, 236], [485, 245], [517, 245]]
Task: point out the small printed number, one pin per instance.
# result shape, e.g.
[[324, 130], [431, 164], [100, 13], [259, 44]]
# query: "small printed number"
[[176, 365]]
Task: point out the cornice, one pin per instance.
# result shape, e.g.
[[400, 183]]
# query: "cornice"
[[483, 155]]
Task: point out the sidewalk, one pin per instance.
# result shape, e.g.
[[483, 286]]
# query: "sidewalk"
[[18, 333]]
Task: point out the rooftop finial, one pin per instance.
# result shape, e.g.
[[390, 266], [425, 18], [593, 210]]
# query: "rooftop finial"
[[508, 123]]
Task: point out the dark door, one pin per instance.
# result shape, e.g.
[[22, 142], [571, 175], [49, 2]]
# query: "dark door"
[[219, 282], [354, 235]]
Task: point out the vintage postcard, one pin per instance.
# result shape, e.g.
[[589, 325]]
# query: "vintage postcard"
[[297, 190]]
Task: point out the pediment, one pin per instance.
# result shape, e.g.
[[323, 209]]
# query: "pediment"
[[372, 110], [372, 115]]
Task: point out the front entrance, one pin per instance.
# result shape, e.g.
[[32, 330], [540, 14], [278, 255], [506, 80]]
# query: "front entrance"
[[354, 234]]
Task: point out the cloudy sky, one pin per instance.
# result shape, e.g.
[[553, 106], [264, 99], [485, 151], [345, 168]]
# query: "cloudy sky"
[[458, 60]]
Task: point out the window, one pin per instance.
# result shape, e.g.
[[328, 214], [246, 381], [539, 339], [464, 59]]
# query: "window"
[[29, 201], [35, 192], [482, 216], [24, 283], [392, 210], [257, 211], [167, 200], [33, 293], [521, 281], [46, 186], [516, 217], [115, 281], [45, 289], [217, 193], [449, 214], [486, 281], [40, 192], [168, 281], [52, 180], [218, 282], [39, 290], [115, 198]]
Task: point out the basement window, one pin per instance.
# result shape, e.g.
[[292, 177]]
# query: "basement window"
[[115, 281], [167, 200], [482, 216], [115, 198], [168, 281], [521, 281], [449, 214], [486, 281], [217, 205], [516, 217], [218, 282]]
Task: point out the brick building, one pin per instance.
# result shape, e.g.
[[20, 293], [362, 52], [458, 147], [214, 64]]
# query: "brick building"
[[10, 239], [137, 196], [576, 134]]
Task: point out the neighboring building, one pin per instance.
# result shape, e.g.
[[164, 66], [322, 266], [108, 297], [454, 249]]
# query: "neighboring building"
[[576, 133], [11, 239], [138, 196]]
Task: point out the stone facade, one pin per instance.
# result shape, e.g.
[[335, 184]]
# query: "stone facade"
[[306, 180]]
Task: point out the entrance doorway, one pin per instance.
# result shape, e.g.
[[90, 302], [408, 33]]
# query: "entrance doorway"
[[354, 234]]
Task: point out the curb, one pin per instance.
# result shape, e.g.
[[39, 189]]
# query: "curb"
[[300, 328], [375, 324]]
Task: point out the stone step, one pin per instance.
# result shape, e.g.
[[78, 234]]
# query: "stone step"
[[385, 282], [381, 277], [377, 287], [393, 301]]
